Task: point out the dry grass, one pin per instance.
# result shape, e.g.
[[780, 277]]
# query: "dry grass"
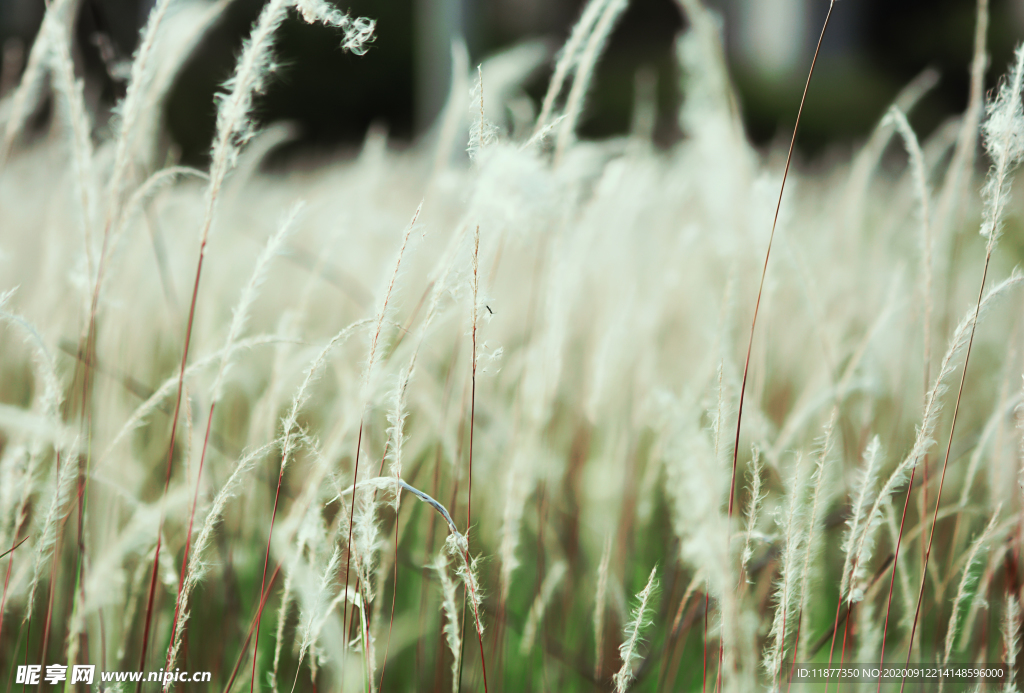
[[213, 400]]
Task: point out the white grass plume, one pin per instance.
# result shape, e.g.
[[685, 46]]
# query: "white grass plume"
[[923, 441], [1002, 409], [634, 630], [482, 132], [52, 395], [383, 311], [697, 480], [869, 632], [1011, 641], [610, 13], [819, 502], [57, 19], [965, 152], [130, 109], [69, 91], [365, 541], [867, 159], [906, 591], [396, 430], [66, 476], [567, 59], [856, 527], [923, 199], [310, 534], [450, 609], [518, 485], [1003, 136], [197, 563], [358, 32], [104, 584], [967, 580], [466, 568], [15, 488], [756, 497], [316, 613], [146, 190], [240, 313], [540, 605], [794, 536], [600, 596], [168, 386], [710, 106], [180, 33], [289, 424], [234, 125]]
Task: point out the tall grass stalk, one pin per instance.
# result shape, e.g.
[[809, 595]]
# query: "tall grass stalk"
[[552, 345], [610, 11], [239, 319], [56, 21], [1004, 141]]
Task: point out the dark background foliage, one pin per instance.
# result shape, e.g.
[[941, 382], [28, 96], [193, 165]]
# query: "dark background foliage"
[[873, 48]]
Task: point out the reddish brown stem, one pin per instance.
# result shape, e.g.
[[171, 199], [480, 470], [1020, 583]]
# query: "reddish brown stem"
[[248, 636], [472, 420], [764, 269], [835, 630], [263, 580], [7, 577], [351, 517], [170, 459], [704, 656], [842, 653], [188, 536], [949, 447], [760, 290], [49, 601], [892, 579], [394, 594]]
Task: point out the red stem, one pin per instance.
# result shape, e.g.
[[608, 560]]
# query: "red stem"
[[351, 517], [248, 636], [263, 582], [704, 657], [170, 459], [760, 289], [949, 447], [188, 535], [892, 578]]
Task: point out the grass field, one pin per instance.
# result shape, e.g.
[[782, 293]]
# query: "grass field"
[[546, 417]]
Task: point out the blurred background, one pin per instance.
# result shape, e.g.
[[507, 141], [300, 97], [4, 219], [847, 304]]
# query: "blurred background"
[[873, 48]]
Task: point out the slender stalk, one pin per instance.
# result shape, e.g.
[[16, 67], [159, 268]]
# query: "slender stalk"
[[263, 579], [767, 255], [704, 655], [945, 461], [371, 361], [472, 396], [252, 627], [892, 577], [7, 576], [1006, 153], [233, 125], [13, 549], [472, 419], [760, 289]]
